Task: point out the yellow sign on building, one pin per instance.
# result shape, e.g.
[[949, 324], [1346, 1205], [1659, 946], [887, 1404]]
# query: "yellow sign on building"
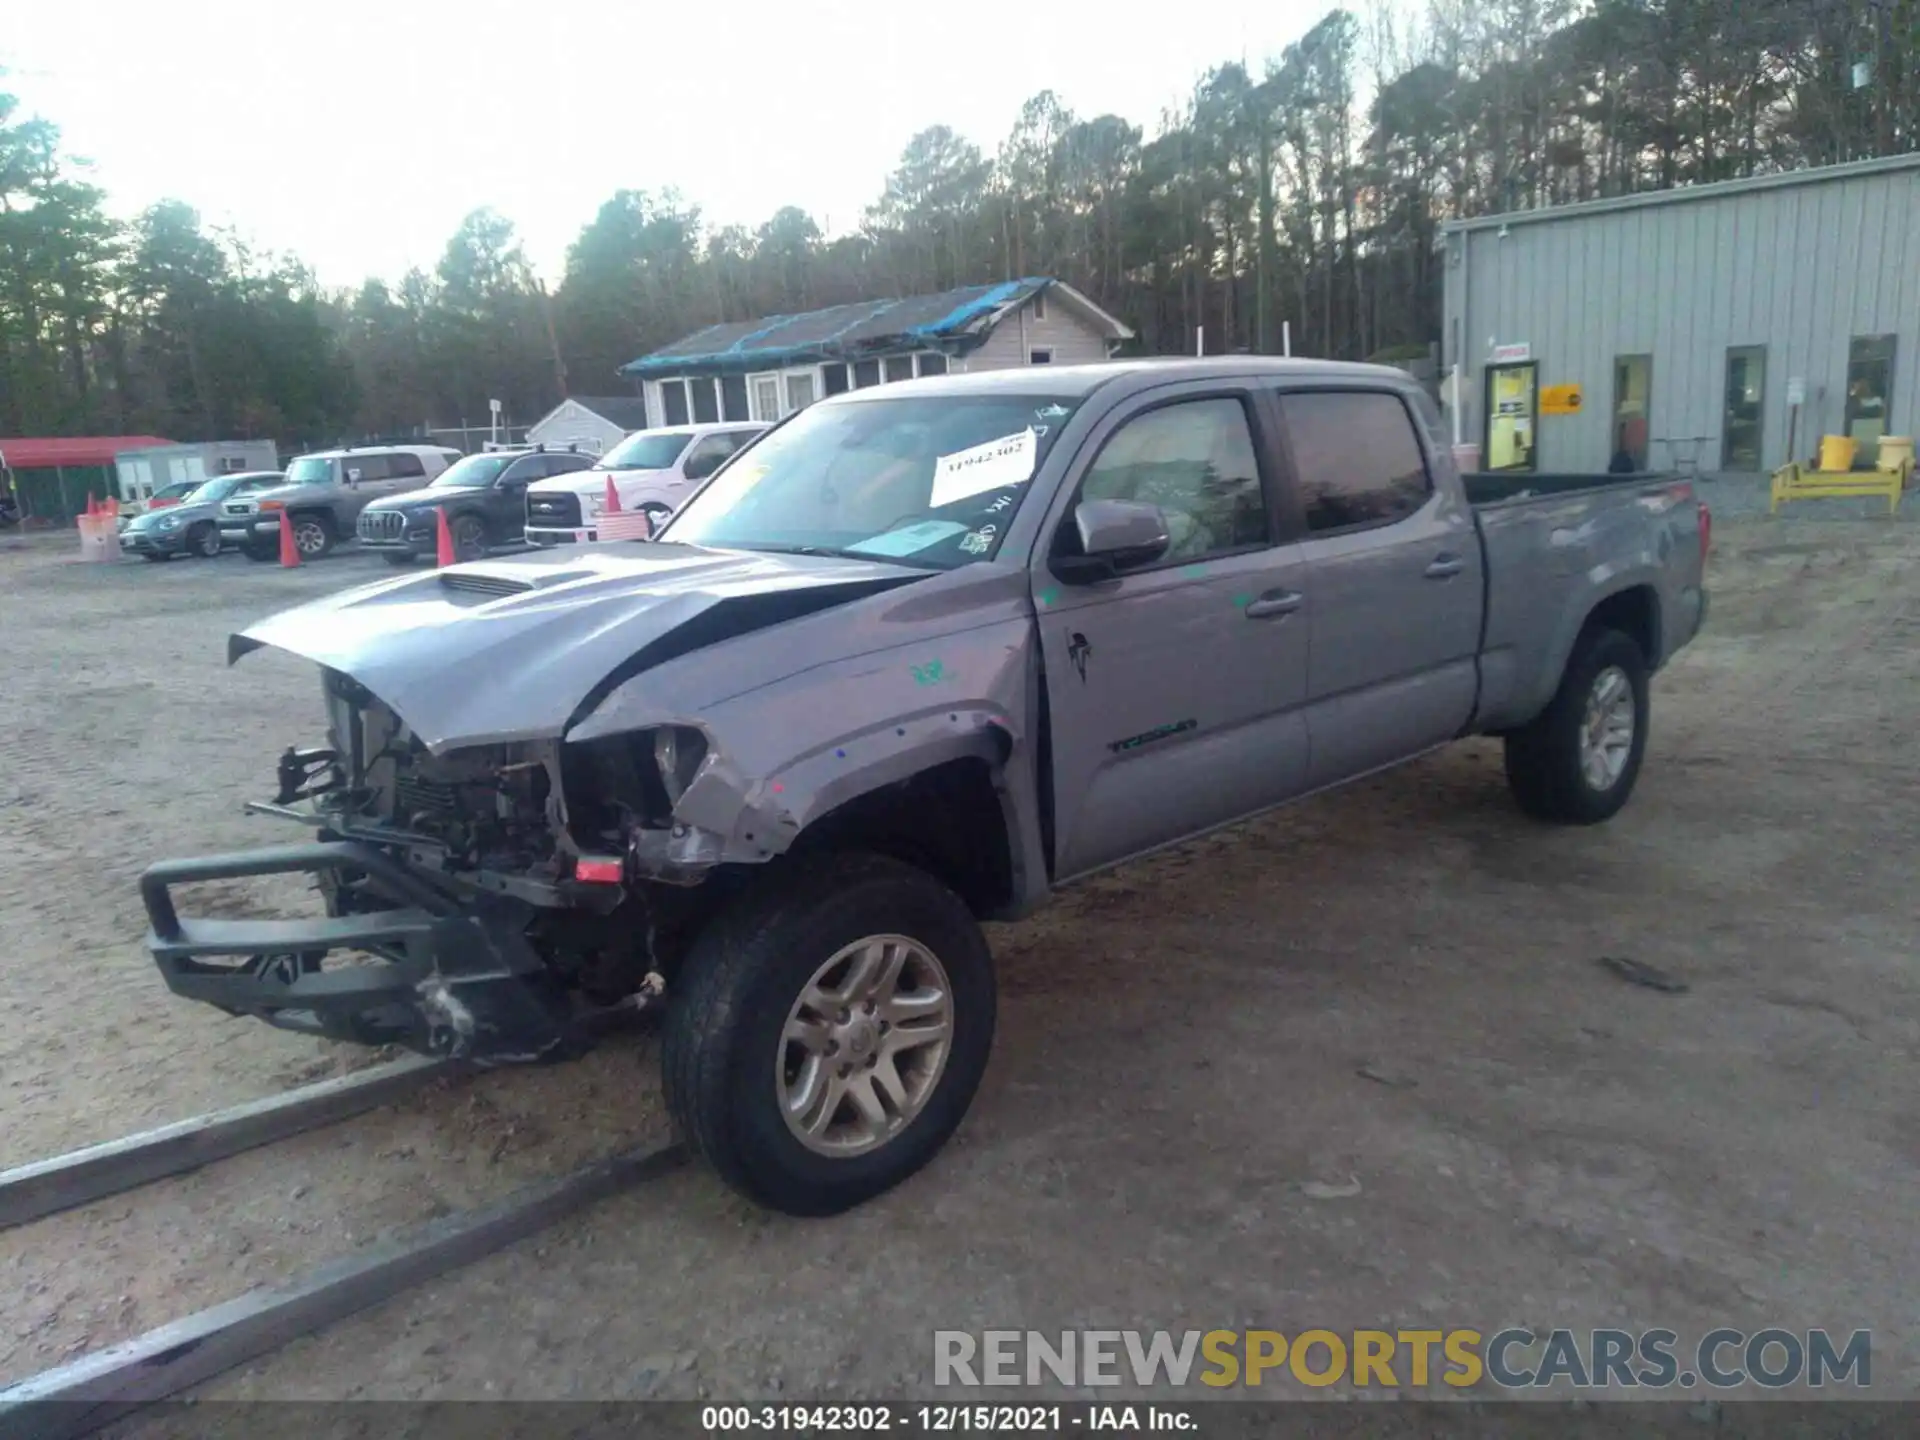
[[1560, 400]]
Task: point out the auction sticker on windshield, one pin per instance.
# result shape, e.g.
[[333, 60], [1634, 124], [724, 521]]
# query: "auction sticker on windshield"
[[998, 463], [909, 539]]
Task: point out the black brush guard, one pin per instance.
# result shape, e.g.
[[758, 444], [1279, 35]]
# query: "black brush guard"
[[454, 977]]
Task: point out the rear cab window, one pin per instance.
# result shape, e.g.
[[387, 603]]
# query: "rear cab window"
[[1356, 458]]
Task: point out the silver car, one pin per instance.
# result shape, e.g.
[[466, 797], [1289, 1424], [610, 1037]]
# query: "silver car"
[[192, 527]]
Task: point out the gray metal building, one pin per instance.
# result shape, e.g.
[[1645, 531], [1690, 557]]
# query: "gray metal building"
[[1701, 326]]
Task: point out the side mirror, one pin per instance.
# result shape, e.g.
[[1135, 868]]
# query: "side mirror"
[[1114, 534]]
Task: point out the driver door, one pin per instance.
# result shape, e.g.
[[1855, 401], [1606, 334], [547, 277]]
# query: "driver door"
[[1176, 690]]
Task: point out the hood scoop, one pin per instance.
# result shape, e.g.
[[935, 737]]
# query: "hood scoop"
[[483, 584]]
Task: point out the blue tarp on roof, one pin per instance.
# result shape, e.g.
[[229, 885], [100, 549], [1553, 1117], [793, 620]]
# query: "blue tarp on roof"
[[842, 332]]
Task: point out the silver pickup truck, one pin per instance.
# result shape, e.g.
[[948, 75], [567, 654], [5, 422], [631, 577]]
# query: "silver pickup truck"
[[913, 659]]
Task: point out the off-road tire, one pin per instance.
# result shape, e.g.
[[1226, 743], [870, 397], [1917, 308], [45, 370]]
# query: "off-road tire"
[[728, 1005], [328, 539], [1543, 757]]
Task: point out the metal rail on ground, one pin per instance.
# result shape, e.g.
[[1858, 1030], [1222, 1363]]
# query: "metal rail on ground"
[[92, 1391], [46, 1187]]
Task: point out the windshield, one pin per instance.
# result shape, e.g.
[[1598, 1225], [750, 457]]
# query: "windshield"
[[213, 490], [644, 450], [476, 472], [929, 481], [310, 470]]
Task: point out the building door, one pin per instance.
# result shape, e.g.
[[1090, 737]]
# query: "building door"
[[1513, 400], [1745, 412], [1632, 399], [1869, 385]]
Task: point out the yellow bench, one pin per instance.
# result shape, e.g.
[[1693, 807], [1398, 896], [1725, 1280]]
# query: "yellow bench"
[[1803, 482]]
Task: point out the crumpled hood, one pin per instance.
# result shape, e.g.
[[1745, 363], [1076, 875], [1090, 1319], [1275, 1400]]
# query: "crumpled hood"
[[520, 649]]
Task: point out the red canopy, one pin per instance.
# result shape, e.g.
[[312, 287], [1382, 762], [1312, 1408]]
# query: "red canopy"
[[47, 454]]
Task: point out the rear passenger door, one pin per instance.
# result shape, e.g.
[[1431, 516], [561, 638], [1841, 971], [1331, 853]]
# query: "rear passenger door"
[[1397, 585], [1175, 688]]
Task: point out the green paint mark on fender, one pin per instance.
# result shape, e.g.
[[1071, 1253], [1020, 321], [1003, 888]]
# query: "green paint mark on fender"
[[931, 673], [1049, 595], [1194, 572], [1240, 602]]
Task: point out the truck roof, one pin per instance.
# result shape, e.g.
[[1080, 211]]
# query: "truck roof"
[[1132, 374]]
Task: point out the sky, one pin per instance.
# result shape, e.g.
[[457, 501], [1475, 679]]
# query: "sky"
[[357, 135]]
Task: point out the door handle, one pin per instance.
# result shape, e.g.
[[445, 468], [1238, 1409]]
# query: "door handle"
[[1444, 567], [1274, 603]]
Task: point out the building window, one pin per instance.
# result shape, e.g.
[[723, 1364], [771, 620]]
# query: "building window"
[[706, 400], [833, 380], [1356, 459], [1632, 386], [899, 367], [933, 364], [1745, 413], [1040, 357], [1040, 305], [866, 373], [673, 401], [733, 398], [800, 390], [766, 398], [1869, 384]]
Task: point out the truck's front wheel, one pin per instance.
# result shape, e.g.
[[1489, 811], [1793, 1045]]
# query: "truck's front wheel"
[[1576, 763], [827, 1034]]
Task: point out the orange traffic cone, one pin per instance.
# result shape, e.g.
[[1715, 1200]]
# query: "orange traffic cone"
[[443, 555], [289, 552], [613, 497]]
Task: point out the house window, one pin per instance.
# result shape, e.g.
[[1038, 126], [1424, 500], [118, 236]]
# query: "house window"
[[833, 379], [673, 401], [800, 390], [865, 373], [1040, 357], [706, 404], [933, 364], [1869, 384], [899, 367], [766, 398], [1040, 305], [733, 398]]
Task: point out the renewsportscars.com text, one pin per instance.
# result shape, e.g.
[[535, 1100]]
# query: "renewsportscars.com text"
[[1511, 1359]]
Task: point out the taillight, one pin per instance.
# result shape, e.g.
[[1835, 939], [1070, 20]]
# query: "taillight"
[[1706, 531]]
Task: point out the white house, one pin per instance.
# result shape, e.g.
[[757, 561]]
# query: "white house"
[[141, 472], [766, 369], [593, 424]]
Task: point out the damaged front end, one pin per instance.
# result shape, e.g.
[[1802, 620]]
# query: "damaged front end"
[[471, 911]]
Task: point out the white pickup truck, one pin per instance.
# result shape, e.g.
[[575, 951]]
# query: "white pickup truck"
[[652, 471]]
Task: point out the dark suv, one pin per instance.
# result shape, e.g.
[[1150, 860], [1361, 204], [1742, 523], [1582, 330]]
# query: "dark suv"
[[484, 497]]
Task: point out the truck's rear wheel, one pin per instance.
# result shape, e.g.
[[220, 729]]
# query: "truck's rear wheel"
[[1576, 763], [826, 1035]]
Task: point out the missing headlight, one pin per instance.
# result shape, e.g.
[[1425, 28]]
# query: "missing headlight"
[[678, 750]]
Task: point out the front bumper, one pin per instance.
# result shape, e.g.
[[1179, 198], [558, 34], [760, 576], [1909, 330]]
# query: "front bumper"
[[544, 536], [153, 542], [442, 976]]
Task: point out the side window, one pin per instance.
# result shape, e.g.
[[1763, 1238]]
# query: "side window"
[[705, 456], [525, 470], [1195, 461], [1357, 458], [404, 466], [566, 464], [370, 467]]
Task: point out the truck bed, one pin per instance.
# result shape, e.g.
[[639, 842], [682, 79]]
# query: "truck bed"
[[1501, 487]]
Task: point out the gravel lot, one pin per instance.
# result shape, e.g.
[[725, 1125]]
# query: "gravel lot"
[[1388, 996]]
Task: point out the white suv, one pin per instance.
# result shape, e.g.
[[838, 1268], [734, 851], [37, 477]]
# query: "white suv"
[[653, 471]]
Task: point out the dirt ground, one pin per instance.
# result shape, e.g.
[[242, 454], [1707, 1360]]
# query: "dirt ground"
[[1176, 1130]]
